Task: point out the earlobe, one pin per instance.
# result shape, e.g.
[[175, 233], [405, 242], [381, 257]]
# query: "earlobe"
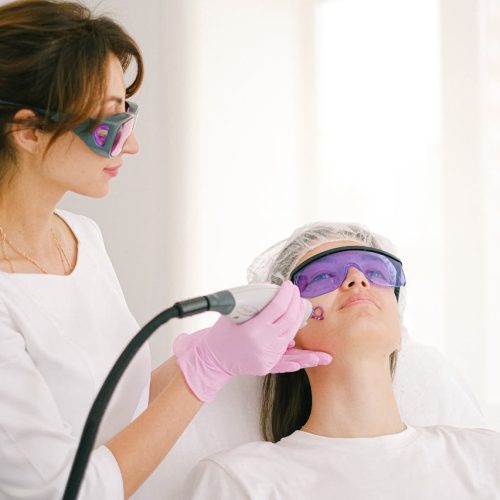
[[24, 132]]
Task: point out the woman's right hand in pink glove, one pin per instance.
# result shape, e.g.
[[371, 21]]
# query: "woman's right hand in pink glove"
[[263, 344]]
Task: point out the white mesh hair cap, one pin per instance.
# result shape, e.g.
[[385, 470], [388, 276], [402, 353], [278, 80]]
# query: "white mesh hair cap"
[[275, 264]]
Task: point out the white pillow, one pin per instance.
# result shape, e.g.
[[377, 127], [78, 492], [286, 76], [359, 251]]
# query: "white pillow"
[[429, 391]]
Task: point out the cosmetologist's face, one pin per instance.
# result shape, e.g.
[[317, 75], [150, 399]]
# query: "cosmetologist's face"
[[71, 166]]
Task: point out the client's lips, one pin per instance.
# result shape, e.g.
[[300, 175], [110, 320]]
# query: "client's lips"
[[358, 298]]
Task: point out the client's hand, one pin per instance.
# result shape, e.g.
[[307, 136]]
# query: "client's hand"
[[263, 344]]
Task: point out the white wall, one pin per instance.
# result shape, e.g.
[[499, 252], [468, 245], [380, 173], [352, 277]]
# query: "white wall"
[[379, 136], [463, 216]]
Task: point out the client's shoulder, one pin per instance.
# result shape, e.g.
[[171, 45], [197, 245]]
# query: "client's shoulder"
[[256, 456], [255, 450], [460, 432], [235, 472], [250, 458], [481, 441]]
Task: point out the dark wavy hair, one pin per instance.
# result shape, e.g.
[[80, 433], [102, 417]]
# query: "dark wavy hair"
[[53, 57]]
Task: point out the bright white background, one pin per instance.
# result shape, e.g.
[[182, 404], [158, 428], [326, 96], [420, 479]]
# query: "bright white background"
[[260, 115]]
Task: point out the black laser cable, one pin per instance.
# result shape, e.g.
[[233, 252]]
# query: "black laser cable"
[[222, 302]]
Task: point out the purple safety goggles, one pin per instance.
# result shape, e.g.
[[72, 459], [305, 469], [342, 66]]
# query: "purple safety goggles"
[[327, 270]]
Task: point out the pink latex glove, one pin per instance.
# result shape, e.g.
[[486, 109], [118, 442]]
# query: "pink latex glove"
[[295, 359], [261, 345]]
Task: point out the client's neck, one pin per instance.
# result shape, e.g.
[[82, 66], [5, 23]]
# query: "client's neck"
[[353, 399]]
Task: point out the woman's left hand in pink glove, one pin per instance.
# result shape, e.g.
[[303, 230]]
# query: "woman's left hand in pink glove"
[[295, 359]]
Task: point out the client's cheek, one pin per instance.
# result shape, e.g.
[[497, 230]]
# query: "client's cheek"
[[308, 335], [315, 329], [321, 307]]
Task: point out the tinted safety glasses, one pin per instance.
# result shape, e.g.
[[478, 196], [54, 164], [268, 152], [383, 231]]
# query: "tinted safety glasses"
[[105, 138], [326, 271]]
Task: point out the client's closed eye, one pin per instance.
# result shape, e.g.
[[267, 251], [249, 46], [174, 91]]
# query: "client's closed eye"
[[375, 275], [323, 276]]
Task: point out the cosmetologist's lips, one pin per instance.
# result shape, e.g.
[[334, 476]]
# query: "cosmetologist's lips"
[[112, 171]]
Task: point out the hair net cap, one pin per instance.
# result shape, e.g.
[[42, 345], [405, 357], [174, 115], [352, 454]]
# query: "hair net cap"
[[275, 264]]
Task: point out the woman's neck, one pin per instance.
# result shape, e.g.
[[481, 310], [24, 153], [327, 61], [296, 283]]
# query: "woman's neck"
[[26, 212], [353, 398]]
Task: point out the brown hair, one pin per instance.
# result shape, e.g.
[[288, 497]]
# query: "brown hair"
[[286, 402], [53, 57]]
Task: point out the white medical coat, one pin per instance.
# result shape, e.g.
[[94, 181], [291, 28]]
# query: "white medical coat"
[[59, 337]]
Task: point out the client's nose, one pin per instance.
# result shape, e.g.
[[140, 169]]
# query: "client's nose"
[[355, 277]]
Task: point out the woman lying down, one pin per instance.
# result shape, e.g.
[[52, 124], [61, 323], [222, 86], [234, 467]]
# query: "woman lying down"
[[335, 431]]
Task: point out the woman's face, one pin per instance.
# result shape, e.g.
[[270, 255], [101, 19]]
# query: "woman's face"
[[359, 318], [70, 165]]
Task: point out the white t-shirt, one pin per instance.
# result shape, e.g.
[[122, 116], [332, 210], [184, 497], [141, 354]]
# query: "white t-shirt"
[[424, 463], [59, 337]]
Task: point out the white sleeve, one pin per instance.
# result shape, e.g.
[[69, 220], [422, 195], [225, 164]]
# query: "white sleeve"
[[36, 445], [211, 481]]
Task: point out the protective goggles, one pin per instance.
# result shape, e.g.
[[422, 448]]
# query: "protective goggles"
[[108, 137], [326, 271], [105, 138]]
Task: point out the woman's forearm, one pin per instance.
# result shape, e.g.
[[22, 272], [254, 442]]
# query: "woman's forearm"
[[162, 376], [142, 445]]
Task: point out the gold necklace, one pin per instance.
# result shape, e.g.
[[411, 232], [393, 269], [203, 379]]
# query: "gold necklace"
[[64, 259]]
